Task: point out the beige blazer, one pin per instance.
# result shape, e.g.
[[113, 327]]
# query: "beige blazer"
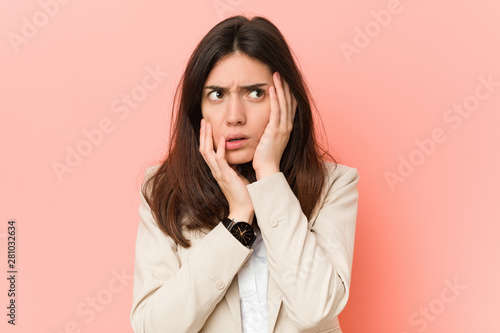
[[196, 289]]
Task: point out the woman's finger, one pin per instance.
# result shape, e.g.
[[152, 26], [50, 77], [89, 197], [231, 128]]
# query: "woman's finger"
[[219, 155], [294, 110], [209, 144], [226, 169], [294, 105], [208, 151], [274, 117], [202, 136], [203, 140], [288, 96], [281, 98]]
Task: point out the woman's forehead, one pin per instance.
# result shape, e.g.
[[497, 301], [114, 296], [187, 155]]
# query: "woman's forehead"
[[239, 69]]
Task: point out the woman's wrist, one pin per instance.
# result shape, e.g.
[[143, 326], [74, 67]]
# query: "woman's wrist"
[[261, 174], [241, 216]]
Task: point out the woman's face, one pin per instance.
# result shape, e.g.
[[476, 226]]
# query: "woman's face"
[[236, 103]]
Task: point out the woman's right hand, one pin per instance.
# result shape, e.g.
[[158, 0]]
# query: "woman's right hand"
[[232, 184]]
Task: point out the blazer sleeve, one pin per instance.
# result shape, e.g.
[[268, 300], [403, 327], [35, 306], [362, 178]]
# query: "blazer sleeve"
[[171, 295], [311, 265]]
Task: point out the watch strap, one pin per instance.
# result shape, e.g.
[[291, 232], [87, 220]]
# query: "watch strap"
[[228, 222]]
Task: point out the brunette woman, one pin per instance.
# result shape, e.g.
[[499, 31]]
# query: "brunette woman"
[[246, 226]]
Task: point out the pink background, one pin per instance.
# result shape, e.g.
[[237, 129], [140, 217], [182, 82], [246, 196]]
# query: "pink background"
[[385, 75]]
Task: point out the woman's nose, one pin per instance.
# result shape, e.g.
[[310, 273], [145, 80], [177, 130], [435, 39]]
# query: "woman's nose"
[[235, 114]]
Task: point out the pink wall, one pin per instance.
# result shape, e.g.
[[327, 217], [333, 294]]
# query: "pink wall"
[[402, 87]]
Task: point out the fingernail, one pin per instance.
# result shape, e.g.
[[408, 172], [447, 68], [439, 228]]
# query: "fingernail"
[[278, 75]]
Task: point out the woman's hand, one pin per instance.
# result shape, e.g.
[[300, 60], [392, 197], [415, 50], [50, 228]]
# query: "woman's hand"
[[232, 184], [273, 142]]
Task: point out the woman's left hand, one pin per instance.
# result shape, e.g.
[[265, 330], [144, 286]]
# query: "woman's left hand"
[[273, 142]]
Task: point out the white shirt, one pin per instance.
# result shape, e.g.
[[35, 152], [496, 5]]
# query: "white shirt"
[[252, 284]]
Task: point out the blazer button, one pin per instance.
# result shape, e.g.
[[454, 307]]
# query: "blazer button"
[[274, 223], [220, 285]]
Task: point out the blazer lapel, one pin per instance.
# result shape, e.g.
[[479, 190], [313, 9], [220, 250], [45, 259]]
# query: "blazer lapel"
[[274, 300], [233, 301]]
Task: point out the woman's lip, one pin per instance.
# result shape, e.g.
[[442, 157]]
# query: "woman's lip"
[[232, 136], [232, 145]]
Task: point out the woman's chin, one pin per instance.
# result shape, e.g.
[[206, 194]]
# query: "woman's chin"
[[238, 158]]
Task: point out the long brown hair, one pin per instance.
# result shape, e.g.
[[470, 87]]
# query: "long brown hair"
[[182, 193]]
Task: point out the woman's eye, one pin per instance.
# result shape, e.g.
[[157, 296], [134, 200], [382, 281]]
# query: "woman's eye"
[[257, 93], [216, 95]]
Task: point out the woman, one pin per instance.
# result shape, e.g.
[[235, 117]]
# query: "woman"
[[243, 227]]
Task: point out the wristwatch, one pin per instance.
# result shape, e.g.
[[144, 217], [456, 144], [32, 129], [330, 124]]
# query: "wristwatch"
[[242, 231]]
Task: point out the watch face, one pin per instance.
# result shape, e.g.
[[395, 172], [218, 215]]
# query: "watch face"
[[243, 232]]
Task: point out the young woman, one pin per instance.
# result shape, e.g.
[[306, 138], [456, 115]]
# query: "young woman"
[[244, 227]]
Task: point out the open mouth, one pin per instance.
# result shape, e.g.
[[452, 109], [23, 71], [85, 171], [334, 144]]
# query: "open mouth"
[[236, 143]]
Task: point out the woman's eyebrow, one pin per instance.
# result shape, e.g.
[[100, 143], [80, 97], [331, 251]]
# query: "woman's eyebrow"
[[249, 87]]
